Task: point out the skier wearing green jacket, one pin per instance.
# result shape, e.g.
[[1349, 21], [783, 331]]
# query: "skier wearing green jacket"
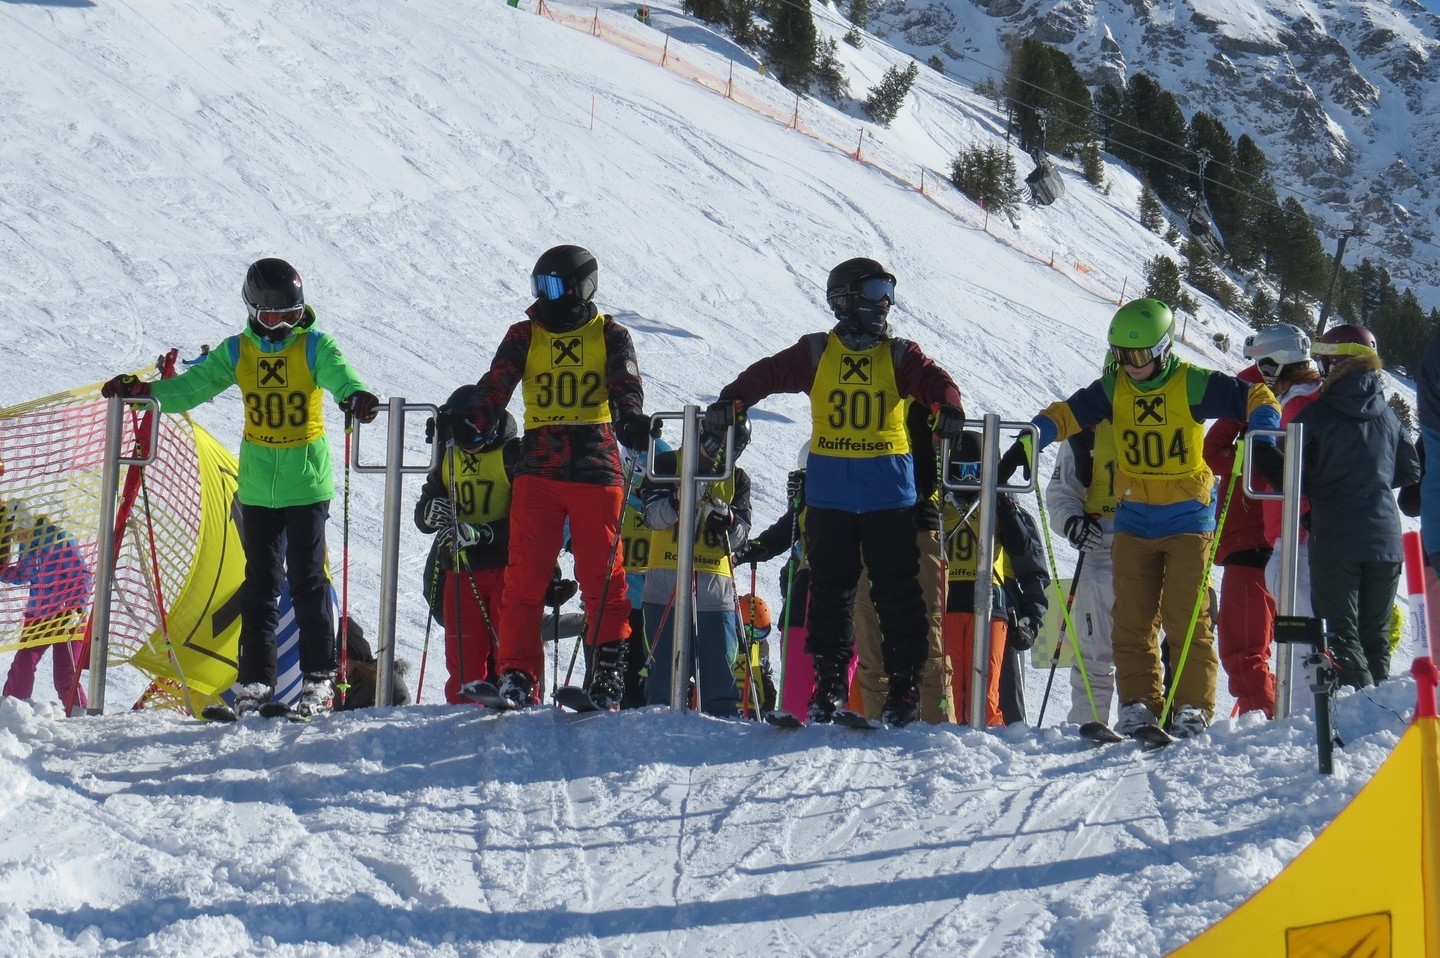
[[282, 365]]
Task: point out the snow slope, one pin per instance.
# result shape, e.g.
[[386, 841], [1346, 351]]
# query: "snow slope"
[[413, 159]]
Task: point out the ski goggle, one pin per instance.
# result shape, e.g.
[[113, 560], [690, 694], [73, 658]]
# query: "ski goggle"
[[877, 288], [279, 318], [547, 287], [1134, 358], [755, 632], [964, 472]]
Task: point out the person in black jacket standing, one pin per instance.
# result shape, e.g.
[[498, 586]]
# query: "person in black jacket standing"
[[1356, 453]]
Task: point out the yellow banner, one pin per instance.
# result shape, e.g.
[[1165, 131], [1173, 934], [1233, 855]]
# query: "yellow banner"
[[204, 620]]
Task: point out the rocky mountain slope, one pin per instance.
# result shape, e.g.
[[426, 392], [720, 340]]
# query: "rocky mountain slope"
[[1342, 95]]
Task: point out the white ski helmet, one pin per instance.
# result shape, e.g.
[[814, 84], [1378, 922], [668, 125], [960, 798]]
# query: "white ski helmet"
[[1277, 346]]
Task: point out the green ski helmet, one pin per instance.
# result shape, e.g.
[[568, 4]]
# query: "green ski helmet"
[[1142, 331]]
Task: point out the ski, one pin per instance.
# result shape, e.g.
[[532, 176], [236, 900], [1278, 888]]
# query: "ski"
[[281, 710], [851, 719], [782, 719], [576, 699], [1152, 737], [1100, 733], [219, 712], [486, 694]]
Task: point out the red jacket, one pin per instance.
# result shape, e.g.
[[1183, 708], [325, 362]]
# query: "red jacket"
[[1243, 537]]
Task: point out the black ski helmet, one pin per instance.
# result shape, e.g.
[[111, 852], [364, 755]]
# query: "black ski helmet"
[[842, 292], [574, 265], [456, 417], [273, 285]]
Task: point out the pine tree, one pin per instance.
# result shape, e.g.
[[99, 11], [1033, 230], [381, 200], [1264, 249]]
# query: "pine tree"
[[740, 20], [711, 11], [1294, 255], [1402, 412], [830, 74], [859, 15], [1092, 164], [1243, 206], [1048, 98], [1260, 311], [883, 102], [986, 174], [1153, 142], [792, 45], [1162, 280], [1151, 215]]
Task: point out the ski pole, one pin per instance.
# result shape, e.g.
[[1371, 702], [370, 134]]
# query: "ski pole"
[[343, 685], [1204, 581], [1060, 641], [792, 565], [424, 656], [1067, 623], [455, 558], [610, 565]]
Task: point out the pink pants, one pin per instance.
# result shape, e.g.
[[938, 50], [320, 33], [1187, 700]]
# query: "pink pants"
[[20, 683]]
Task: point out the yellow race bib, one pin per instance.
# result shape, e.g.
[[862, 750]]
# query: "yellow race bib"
[[565, 376], [856, 408]]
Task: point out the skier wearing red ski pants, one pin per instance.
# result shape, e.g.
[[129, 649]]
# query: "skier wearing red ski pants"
[[577, 372]]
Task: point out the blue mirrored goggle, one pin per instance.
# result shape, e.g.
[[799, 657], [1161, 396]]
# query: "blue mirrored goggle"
[[965, 472], [757, 631], [877, 288], [547, 287]]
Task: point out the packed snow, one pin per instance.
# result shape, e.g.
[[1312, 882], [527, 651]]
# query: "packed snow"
[[412, 160]]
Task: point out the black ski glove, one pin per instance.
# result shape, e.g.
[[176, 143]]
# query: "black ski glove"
[[1022, 634], [719, 517], [363, 405], [438, 513], [1271, 463], [949, 422], [721, 414], [795, 487], [560, 590], [752, 551], [1084, 532], [126, 385], [1018, 456], [635, 431]]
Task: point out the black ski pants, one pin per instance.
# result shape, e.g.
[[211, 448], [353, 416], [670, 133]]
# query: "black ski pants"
[[837, 543], [290, 542]]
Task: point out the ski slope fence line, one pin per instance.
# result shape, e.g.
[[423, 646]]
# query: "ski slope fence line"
[[53, 452], [767, 97]]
